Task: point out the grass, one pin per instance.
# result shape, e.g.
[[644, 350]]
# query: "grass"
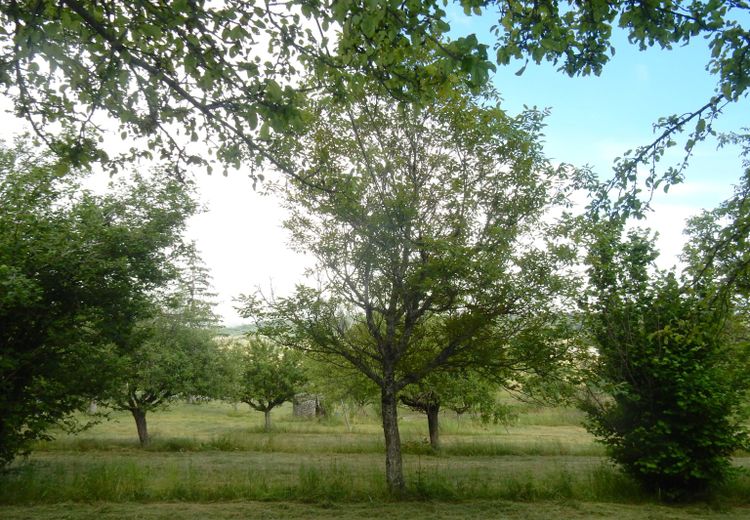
[[219, 427], [397, 511], [214, 455]]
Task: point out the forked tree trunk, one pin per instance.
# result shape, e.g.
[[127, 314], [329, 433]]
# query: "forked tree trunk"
[[433, 411], [140, 423], [394, 471], [267, 414]]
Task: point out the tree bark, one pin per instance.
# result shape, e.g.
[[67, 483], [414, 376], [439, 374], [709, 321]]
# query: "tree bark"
[[433, 412], [140, 423], [267, 414], [394, 471]]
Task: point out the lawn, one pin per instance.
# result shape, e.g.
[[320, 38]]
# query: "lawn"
[[211, 460]]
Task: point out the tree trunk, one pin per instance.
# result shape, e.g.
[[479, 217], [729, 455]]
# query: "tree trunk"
[[394, 471], [345, 413], [267, 414], [433, 411], [140, 423]]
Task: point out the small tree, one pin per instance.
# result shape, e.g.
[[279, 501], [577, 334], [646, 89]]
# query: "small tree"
[[166, 359], [173, 353], [270, 375], [673, 382], [463, 391]]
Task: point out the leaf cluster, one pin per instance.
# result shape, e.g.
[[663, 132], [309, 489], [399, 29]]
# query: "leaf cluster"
[[76, 273]]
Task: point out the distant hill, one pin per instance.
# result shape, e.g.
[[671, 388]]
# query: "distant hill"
[[237, 330]]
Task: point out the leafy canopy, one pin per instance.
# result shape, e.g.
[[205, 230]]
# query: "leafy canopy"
[[578, 36], [226, 73], [266, 374], [76, 273]]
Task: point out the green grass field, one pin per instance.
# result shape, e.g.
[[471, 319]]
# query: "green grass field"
[[211, 460]]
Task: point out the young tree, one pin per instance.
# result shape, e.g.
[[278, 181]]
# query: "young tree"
[[168, 360], [269, 376], [413, 213], [76, 273], [459, 390], [673, 376], [173, 353]]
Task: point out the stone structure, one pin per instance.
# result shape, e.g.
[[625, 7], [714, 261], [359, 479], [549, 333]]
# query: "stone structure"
[[308, 405]]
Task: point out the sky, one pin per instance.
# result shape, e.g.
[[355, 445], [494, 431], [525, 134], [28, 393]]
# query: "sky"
[[592, 121]]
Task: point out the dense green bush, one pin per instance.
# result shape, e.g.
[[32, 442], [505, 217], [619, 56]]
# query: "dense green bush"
[[672, 375]]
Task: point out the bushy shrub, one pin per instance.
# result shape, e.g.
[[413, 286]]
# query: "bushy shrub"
[[672, 376]]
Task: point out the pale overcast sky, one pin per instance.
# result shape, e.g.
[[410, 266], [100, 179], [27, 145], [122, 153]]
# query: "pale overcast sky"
[[593, 120]]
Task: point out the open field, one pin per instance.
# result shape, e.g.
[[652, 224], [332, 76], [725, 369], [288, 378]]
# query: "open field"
[[212, 461]]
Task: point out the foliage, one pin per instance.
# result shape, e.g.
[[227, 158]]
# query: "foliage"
[[718, 254], [414, 212], [171, 354], [269, 375], [76, 271], [673, 376], [463, 391], [228, 73], [173, 73]]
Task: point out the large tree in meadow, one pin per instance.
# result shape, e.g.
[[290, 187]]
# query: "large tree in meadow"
[[413, 213], [76, 272]]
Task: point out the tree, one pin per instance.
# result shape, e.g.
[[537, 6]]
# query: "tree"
[[173, 73], [76, 271], [459, 390], [170, 360], [673, 375], [172, 353], [341, 385], [414, 213], [269, 376]]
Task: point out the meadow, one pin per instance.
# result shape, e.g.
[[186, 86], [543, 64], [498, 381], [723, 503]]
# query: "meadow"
[[214, 460]]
